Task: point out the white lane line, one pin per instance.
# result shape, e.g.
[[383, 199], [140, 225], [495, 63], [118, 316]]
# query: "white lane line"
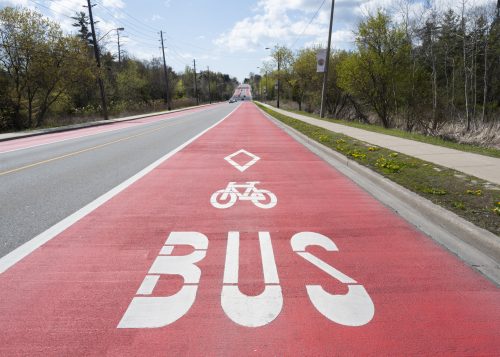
[[186, 112], [30, 246]]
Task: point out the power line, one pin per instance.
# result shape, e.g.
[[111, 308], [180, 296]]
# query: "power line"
[[61, 5], [180, 60], [308, 24], [190, 44], [138, 21], [205, 51], [48, 8], [132, 30], [142, 35], [172, 47], [136, 27]]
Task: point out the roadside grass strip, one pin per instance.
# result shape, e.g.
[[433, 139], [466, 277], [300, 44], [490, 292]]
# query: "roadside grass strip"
[[433, 140], [473, 199]]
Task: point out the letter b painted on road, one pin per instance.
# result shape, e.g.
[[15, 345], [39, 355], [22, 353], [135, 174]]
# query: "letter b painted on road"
[[149, 311]]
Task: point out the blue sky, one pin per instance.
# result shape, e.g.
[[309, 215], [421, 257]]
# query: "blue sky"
[[228, 36]]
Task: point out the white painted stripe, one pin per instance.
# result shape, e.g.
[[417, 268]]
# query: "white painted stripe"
[[268, 262], [148, 285], [327, 268], [232, 258], [101, 132], [30, 246], [166, 250]]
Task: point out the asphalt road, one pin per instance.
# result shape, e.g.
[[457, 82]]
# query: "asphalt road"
[[41, 185], [242, 242]]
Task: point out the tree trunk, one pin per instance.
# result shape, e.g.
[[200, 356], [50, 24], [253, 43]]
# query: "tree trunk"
[[30, 109], [453, 87], [466, 89], [474, 81], [485, 77]]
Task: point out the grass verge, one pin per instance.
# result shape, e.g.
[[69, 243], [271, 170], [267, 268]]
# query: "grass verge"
[[473, 199], [412, 136]]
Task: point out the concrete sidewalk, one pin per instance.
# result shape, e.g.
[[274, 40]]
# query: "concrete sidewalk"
[[484, 167]]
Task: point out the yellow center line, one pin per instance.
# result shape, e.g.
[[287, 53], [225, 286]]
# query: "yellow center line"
[[84, 150]]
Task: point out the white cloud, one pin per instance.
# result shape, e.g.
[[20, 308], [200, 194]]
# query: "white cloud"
[[23, 3], [115, 4], [285, 22], [272, 22]]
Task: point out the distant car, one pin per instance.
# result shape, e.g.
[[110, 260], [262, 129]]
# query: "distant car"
[[232, 100]]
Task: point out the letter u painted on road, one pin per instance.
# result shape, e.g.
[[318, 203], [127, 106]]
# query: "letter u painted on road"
[[150, 311], [251, 311]]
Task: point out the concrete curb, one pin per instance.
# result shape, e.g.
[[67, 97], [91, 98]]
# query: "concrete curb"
[[476, 246], [23, 134]]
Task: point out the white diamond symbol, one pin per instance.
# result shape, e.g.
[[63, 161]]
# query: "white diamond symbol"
[[242, 168]]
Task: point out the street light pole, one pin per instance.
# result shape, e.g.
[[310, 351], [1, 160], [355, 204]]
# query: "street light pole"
[[327, 64], [118, 35]]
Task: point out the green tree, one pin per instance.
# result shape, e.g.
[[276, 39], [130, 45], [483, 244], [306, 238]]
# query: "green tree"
[[306, 83], [282, 70], [66, 65], [131, 84], [41, 64], [82, 22], [377, 72]]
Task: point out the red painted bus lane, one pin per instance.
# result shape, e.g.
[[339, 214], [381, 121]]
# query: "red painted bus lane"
[[266, 252]]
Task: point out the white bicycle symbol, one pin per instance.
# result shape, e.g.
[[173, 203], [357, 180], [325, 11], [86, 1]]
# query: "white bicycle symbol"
[[227, 197]]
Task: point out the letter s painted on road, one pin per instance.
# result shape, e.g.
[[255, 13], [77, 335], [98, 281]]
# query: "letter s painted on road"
[[352, 309]]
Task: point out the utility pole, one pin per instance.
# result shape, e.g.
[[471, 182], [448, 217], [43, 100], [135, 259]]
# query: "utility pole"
[[195, 83], [327, 64], [209, 89], [98, 60], [119, 50], [165, 72]]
